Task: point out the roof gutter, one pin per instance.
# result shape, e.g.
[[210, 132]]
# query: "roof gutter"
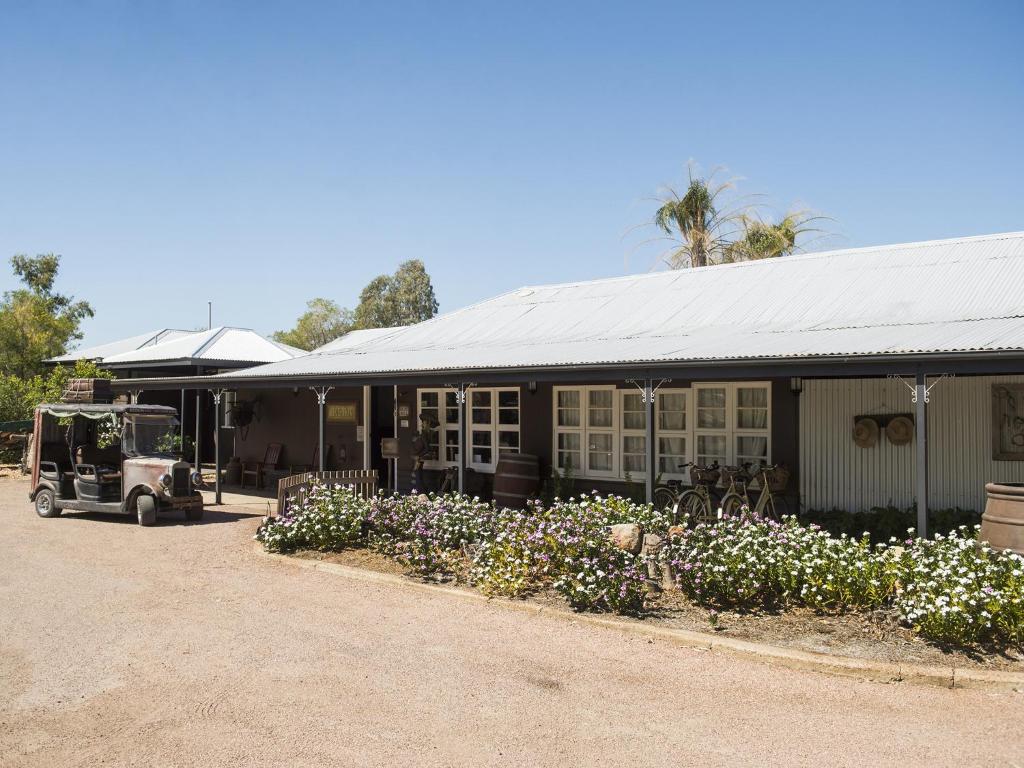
[[824, 366]]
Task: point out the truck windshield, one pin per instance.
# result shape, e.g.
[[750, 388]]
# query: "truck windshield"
[[148, 437]]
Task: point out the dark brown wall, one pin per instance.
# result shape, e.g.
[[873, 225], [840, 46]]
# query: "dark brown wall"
[[292, 420], [536, 429]]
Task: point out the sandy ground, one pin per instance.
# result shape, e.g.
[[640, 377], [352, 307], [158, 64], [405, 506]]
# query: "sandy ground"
[[180, 645]]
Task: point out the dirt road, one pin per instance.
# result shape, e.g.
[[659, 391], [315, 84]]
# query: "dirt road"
[[181, 646]]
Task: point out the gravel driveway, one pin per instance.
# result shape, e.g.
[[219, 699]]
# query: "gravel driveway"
[[181, 645]]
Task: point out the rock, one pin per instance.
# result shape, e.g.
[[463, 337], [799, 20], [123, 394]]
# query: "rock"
[[652, 543], [668, 579], [676, 530], [651, 546], [627, 536], [423, 498]]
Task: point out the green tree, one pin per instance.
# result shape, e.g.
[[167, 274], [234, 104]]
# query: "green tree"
[[36, 322], [377, 304], [707, 227], [695, 221], [19, 396], [323, 321], [768, 240], [403, 298]]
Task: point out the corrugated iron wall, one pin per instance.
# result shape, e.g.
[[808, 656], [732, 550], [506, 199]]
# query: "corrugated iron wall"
[[834, 472]]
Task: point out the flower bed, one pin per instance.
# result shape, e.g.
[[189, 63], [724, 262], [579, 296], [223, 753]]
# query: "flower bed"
[[949, 589]]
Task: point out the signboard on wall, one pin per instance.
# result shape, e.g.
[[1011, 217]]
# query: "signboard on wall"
[[342, 413], [1008, 422]]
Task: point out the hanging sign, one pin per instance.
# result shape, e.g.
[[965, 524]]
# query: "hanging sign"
[[342, 413]]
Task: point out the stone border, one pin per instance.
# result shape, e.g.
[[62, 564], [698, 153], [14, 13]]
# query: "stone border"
[[791, 658]]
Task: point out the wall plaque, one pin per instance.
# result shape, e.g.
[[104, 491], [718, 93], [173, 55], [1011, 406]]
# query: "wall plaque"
[[342, 413]]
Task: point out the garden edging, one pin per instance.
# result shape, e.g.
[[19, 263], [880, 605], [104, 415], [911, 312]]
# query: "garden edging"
[[791, 658]]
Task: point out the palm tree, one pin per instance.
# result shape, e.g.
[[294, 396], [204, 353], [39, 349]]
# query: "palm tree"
[[693, 220], [767, 240]]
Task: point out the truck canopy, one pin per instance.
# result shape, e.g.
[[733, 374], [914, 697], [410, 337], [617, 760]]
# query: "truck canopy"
[[102, 410]]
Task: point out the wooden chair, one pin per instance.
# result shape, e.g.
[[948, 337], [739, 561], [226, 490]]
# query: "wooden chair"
[[314, 464], [258, 469]]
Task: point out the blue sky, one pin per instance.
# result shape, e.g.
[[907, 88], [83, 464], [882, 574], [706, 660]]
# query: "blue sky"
[[260, 154]]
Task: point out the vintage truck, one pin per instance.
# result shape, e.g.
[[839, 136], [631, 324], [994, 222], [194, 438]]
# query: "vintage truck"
[[118, 458]]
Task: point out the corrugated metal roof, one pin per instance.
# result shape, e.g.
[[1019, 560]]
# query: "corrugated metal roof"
[[101, 351], [216, 344], [356, 338], [939, 296]]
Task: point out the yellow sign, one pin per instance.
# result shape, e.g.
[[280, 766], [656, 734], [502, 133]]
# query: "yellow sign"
[[342, 413]]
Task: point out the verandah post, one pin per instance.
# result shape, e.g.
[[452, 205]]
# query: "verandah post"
[[199, 407], [921, 428], [217, 394], [649, 437], [321, 400], [460, 398]]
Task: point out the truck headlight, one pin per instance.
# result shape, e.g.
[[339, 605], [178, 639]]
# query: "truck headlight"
[[166, 480], [197, 480]]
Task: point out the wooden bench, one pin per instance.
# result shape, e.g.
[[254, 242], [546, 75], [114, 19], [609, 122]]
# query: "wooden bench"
[[293, 489]]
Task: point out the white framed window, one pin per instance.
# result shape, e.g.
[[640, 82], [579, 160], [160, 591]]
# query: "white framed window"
[[633, 434], [600, 431], [493, 426], [600, 458], [672, 437], [711, 423], [586, 430], [751, 423], [568, 430]]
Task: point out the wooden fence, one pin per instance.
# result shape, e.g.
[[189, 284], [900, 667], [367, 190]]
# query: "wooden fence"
[[293, 489]]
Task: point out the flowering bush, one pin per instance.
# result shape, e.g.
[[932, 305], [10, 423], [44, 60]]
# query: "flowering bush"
[[330, 518], [588, 570], [438, 531], [513, 560], [950, 589], [957, 592]]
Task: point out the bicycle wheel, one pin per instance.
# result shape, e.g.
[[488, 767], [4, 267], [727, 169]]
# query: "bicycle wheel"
[[776, 509], [664, 498], [731, 505], [693, 507]]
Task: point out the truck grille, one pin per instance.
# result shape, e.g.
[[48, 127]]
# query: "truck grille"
[[179, 484]]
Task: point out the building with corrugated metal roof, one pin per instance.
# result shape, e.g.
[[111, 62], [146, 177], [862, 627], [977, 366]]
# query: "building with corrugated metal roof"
[[624, 381], [173, 352]]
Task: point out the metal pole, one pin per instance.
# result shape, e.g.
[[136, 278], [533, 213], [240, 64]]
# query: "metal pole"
[[216, 444], [921, 424], [649, 423], [209, 315], [394, 414], [460, 398], [366, 427], [321, 398], [321, 401], [199, 410]]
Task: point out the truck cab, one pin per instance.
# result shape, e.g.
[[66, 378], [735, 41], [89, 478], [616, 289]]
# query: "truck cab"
[[116, 458]]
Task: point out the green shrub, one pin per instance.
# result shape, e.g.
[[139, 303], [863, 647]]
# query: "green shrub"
[[884, 523]]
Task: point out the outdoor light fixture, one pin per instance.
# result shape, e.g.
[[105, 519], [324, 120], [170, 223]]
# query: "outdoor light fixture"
[[796, 385], [532, 386]]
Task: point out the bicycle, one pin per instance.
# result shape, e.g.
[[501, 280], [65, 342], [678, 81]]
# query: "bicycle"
[[697, 504], [768, 505], [666, 495]]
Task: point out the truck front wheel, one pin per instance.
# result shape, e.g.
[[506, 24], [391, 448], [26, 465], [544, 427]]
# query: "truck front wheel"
[[45, 504], [146, 507]]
